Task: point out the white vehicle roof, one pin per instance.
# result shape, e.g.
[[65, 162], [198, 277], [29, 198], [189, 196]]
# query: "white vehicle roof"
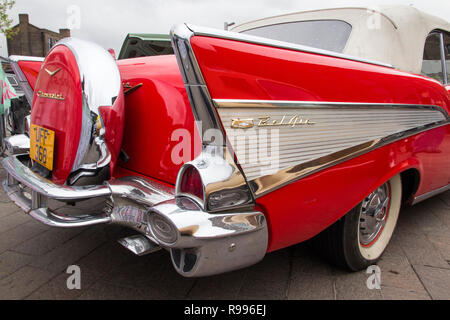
[[393, 35]]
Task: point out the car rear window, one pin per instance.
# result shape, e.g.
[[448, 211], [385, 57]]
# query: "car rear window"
[[322, 34]]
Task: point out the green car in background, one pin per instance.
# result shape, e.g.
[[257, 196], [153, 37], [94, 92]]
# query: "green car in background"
[[143, 45]]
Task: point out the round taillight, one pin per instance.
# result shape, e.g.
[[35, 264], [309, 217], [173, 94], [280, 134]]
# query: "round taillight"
[[191, 183]]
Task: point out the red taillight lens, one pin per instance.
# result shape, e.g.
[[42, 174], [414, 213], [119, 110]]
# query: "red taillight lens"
[[191, 183]]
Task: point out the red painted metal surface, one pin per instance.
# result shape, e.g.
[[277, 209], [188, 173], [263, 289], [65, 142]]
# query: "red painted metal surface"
[[61, 116], [31, 71], [238, 70], [153, 114], [299, 211]]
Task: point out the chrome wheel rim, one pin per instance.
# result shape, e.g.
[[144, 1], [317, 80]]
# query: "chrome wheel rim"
[[373, 215]]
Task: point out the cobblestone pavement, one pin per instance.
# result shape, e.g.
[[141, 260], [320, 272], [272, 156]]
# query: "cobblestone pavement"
[[34, 259]]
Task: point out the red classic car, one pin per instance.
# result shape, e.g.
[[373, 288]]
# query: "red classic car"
[[314, 124]]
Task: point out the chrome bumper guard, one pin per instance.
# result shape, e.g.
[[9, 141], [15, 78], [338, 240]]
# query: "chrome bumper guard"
[[200, 243]]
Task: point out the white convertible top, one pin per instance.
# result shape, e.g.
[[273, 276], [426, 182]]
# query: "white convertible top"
[[393, 34]]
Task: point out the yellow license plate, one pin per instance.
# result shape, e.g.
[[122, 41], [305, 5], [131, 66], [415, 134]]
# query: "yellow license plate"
[[42, 143]]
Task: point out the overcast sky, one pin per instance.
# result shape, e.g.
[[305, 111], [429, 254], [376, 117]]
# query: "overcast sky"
[[107, 22]]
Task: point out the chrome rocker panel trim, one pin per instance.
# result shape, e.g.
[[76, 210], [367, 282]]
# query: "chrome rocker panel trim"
[[430, 194], [204, 244]]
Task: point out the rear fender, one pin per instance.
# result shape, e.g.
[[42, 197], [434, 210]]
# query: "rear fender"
[[337, 122], [26, 70]]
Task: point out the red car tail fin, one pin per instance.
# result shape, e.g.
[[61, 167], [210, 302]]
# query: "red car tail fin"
[[26, 70]]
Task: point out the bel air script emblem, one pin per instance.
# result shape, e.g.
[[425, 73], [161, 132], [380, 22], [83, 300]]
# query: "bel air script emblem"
[[267, 121]]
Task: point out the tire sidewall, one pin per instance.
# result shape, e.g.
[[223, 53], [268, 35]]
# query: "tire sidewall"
[[357, 256]]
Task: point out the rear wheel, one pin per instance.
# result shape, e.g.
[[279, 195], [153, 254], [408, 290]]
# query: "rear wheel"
[[359, 239]]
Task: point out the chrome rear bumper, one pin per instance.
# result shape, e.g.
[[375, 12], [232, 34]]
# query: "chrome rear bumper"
[[200, 243]]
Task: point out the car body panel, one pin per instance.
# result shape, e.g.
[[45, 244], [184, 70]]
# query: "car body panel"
[[31, 71], [67, 83], [153, 113]]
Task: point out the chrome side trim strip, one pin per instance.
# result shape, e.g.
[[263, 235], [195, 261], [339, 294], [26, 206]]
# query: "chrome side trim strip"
[[430, 194], [240, 103], [338, 132], [230, 35], [16, 58]]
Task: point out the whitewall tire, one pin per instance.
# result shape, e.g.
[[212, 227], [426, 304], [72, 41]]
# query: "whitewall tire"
[[359, 239]]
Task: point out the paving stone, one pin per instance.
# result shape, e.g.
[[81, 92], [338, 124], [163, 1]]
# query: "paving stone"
[[432, 219], [3, 197], [14, 237], [442, 244], [170, 285], [445, 197], [420, 251], [106, 291], [397, 272], [10, 262], [71, 251], [47, 241], [138, 272], [220, 287], [306, 260], [443, 214], [307, 286], [152, 273], [436, 281], [56, 289], [8, 208], [268, 279], [393, 293], [394, 247], [353, 286], [10, 221], [23, 282]]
